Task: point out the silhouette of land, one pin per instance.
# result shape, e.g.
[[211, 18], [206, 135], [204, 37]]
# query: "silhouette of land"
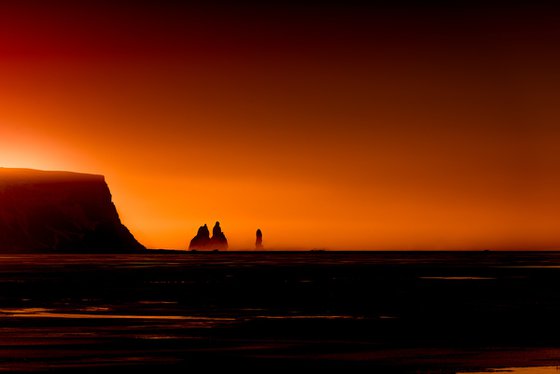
[[259, 241], [203, 241], [59, 211]]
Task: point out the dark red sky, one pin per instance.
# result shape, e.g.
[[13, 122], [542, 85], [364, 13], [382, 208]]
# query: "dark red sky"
[[392, 125]]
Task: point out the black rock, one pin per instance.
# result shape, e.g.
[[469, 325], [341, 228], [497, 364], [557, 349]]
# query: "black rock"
[[218, 240], [202, 240], [60, 211], [258, 243]]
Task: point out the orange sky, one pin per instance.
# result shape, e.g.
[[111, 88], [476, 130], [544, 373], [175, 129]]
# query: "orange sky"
[[327, 127]]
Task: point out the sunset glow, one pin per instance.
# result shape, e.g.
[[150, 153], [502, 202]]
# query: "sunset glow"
[[360, 131]]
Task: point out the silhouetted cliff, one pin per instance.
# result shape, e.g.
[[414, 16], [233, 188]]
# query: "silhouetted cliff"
[[43, 210]]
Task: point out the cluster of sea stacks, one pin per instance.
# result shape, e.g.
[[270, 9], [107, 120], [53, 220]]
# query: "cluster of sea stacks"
[[218, 242], [203, 241]]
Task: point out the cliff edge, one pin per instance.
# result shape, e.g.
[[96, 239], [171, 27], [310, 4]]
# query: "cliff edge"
[[60, 211]]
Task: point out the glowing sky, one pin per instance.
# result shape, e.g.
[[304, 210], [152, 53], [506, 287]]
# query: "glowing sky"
[[341, 127]]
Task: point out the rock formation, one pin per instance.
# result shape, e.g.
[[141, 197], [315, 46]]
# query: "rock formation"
[[258, 243], [218, 240], [202, 240], [60, 211]]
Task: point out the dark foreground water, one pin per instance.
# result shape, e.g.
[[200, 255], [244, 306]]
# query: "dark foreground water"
[[380, 312]]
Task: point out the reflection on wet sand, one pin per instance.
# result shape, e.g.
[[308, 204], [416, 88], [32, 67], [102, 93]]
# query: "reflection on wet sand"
[[45, 313], [458, 278], [327, 317], [521, 370]]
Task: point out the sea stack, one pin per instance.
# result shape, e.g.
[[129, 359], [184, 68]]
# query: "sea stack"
[[218, 240], [59, 211], [202, 240], [258, 243]]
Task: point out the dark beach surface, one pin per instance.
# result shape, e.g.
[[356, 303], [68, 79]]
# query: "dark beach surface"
[[381, 312]]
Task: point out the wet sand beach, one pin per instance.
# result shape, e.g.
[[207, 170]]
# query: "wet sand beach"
[[386, 312]]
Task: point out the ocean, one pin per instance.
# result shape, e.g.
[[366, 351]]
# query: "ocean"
[[383, 312]]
